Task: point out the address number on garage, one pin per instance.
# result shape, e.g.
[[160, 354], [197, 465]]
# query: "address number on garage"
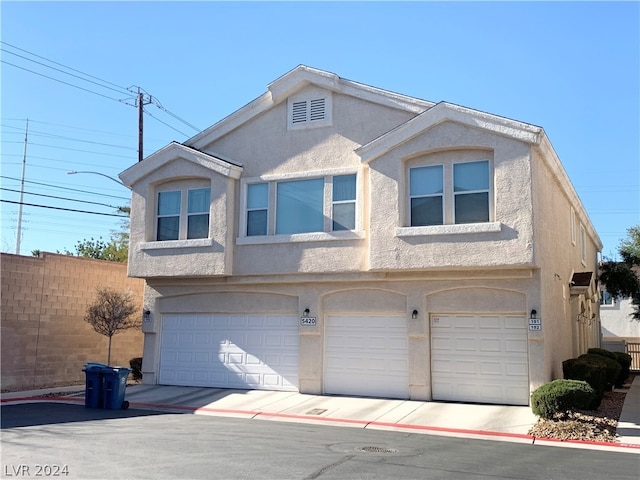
[[308, 321]]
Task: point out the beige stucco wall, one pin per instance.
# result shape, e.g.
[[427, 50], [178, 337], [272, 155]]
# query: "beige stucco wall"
[[617, 321], [45, 340], [504, 292], [460, 245], [559, 258]]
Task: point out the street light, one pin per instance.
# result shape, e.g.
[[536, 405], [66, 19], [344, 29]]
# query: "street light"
[[73, 172]]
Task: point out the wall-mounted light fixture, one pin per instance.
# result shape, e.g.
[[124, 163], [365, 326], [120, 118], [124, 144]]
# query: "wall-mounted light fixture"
[[534, 312], [306, 312], [414, 314], [147, 315]]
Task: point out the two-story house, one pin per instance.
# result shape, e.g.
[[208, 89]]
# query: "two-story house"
[[335, 238]]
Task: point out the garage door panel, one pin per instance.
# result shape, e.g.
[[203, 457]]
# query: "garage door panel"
[[366, 355], [480, 358], [230, 351]]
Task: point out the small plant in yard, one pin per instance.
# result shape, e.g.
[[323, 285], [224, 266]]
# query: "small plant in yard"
[[112, 312], [136, 368], [561, 395]]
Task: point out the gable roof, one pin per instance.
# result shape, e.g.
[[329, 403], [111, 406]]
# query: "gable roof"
[[291, 82], [172, 152], [443, 112]]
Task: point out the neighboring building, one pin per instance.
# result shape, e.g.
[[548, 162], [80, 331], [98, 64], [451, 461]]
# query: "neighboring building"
[[335, 238], [616, 320]]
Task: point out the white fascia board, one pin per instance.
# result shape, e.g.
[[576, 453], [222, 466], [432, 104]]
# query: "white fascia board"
[[385, 97], [549, 156], [233, 121], [285, 86], [172, 152], [297, 78], [443, 112]]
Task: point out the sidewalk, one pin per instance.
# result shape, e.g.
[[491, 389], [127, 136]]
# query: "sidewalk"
[[496, 422]]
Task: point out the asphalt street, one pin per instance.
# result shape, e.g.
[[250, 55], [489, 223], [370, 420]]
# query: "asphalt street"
[[49, 440]]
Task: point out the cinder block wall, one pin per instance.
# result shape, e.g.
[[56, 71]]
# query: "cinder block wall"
[[45, 341]]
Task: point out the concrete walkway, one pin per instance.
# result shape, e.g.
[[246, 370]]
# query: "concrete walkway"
[[506, 423]]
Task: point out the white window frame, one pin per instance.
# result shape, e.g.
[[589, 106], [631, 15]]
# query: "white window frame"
[[326, 234], [573, 226], [448, 202], [583, 245], [184, 212]]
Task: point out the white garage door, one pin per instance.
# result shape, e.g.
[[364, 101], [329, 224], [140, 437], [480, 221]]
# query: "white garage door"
[[230, 351], [480, 358], [366, 355]]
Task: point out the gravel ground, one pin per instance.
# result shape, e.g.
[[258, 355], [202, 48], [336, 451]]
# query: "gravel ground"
[[595, 425]]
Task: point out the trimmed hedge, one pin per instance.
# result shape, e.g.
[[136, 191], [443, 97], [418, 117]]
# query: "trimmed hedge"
[[594, 373], [612, 368], [622, 358], [562, 395]]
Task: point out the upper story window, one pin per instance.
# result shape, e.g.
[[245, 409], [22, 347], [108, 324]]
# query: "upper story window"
[[183, 214], [583, 245], [308, 109], [606, 298], [573, 226], [453, 193], [287, 207]]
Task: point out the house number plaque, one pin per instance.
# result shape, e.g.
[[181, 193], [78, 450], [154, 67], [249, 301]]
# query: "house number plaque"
[[535, 324], [308, 321]]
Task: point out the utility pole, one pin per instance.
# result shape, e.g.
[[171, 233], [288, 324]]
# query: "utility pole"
[[24, 166], [141, 101]]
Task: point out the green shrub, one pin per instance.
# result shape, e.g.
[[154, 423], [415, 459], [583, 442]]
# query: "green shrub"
[[136, 368], [612, 368], [621, 358], [624, 359], [594, 373], [603, 352], [562, 395]]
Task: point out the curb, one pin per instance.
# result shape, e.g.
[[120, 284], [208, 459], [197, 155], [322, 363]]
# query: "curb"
[[401, 427]]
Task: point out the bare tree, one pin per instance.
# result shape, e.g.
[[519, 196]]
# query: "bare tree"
[[111, 313]]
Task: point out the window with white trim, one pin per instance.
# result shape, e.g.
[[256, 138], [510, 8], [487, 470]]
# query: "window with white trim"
[[300, 206], [464, 198], [573, 226], [583, 245], [183, 214], [606, 298]]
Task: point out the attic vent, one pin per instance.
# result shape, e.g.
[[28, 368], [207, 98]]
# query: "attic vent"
[[309, 113], [317, 110], [299, 112]]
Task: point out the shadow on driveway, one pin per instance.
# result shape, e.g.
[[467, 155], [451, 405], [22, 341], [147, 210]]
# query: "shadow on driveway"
[[47, 413]]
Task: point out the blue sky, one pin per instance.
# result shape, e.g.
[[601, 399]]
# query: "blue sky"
[[572, 68]]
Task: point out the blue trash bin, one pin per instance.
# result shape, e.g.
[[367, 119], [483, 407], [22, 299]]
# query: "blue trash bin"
[[93, 385], [114, 386]]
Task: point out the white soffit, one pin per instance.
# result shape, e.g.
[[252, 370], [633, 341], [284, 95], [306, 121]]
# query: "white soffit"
[[175, 151], [443, 112]]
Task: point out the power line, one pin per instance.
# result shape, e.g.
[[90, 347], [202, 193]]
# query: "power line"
[[61, 71], [62, 65], [61, 81], [71, 149], [64, 209], [157, 103], [156, 118], [60, 198], [38, 133], [65, 188], [85, 164]]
